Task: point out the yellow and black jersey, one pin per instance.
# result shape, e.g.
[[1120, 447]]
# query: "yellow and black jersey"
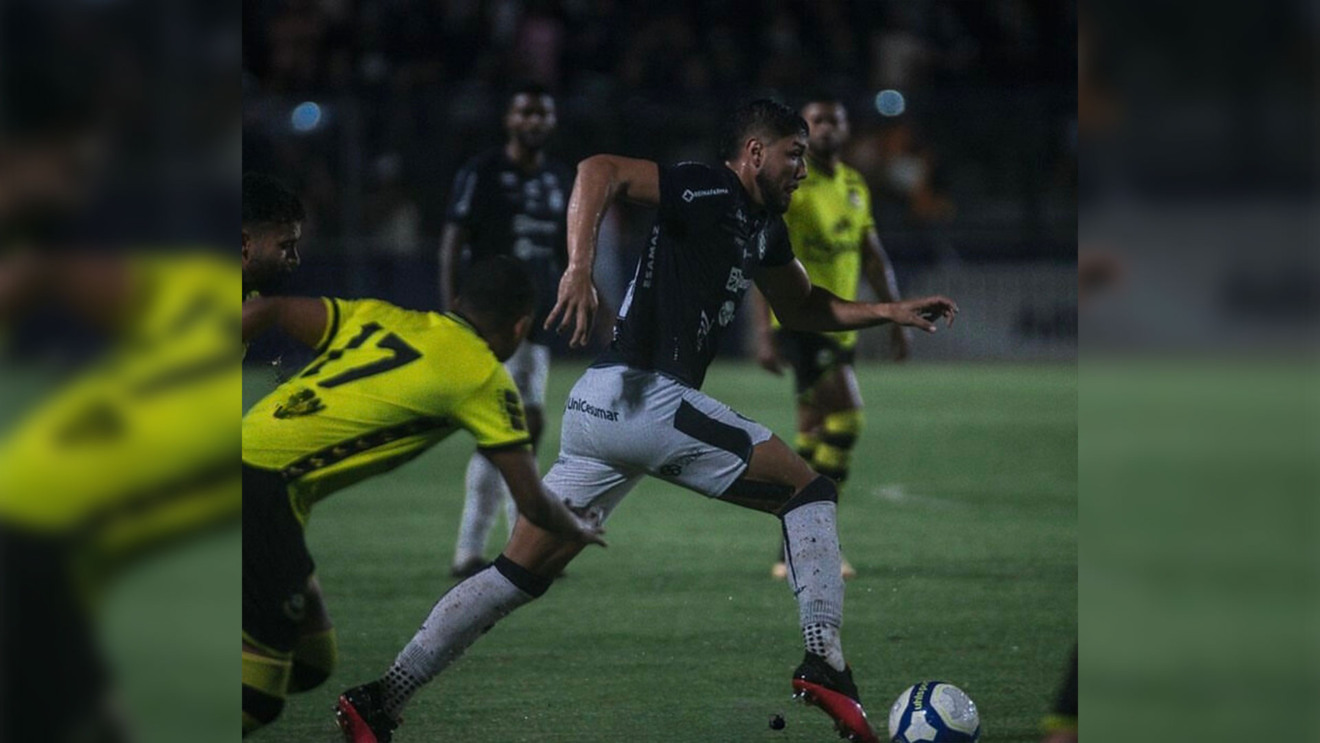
[[386, 384], [140, 447], [827, 220]]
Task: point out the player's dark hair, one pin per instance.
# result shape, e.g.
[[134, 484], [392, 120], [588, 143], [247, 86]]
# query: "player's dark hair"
[[763, 116], [498, 289], [268, 201]]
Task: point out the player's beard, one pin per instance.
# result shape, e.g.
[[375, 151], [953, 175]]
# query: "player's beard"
[[266, 277], [776, 198]]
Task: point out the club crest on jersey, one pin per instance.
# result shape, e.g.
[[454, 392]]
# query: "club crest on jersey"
[[726, 312], [303, 402], [689, 194], [855, 198]]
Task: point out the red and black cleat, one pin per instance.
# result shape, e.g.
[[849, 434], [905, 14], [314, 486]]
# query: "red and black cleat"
[[361, 717], [817, 683]]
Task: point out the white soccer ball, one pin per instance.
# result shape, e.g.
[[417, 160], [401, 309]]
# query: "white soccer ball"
[[934, 712]]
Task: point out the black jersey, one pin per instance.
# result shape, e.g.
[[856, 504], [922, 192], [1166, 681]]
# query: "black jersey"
[[704, 250], [508, 211]]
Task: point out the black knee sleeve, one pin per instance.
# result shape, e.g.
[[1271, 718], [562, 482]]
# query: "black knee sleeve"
[[820, 489], [528, 582]]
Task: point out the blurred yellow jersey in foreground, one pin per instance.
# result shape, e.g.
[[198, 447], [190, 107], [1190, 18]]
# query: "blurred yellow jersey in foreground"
[[140, 447]]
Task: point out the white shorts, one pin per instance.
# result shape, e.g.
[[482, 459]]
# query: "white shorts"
[[621, 424], [530, 368]]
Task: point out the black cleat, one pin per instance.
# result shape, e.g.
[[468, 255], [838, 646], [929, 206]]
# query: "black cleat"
[[817, 683], [362, 718]]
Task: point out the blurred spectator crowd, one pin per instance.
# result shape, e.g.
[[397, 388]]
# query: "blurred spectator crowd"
[[368, 107]]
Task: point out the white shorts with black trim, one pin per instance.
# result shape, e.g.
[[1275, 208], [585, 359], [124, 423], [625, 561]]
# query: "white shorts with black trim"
[[621, 424]]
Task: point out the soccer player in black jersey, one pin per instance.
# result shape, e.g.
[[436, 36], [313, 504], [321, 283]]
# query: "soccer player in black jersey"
[[509, 200], [639, 411]]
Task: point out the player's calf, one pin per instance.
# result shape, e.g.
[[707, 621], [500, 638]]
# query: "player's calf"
[[465, 613]]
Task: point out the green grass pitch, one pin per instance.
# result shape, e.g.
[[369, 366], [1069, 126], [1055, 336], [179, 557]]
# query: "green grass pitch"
[[960, 516]]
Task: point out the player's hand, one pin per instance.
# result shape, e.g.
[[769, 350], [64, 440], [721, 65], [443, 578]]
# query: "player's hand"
[[575, 307], [767, 356], [589, 530], [900, 342], [922, 313]]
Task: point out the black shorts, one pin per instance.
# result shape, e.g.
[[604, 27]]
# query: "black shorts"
[[276, 563], [811, 355], [52, 679]]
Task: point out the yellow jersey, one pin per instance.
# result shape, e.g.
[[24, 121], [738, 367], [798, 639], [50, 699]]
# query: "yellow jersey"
[[827, 221], [386, 384], [139, 448]]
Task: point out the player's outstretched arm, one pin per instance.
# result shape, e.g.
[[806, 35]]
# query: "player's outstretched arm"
[[601, 180], [518, 468], [304, 319], [801, 306]]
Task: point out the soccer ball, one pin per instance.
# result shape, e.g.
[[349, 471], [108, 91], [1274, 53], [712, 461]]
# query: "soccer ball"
[[934, 712]]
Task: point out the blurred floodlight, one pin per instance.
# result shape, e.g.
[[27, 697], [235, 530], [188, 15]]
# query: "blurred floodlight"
[[890, 103], [306, 116]]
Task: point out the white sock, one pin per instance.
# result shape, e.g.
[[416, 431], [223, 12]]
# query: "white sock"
[[486, 491], [812, 536], [463, 614]]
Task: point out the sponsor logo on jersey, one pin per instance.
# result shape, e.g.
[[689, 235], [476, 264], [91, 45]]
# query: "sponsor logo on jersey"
[[578, 405], [689, 194], [737, 281], [524, 225], [703, 330], [674, 467], [650, 257]]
